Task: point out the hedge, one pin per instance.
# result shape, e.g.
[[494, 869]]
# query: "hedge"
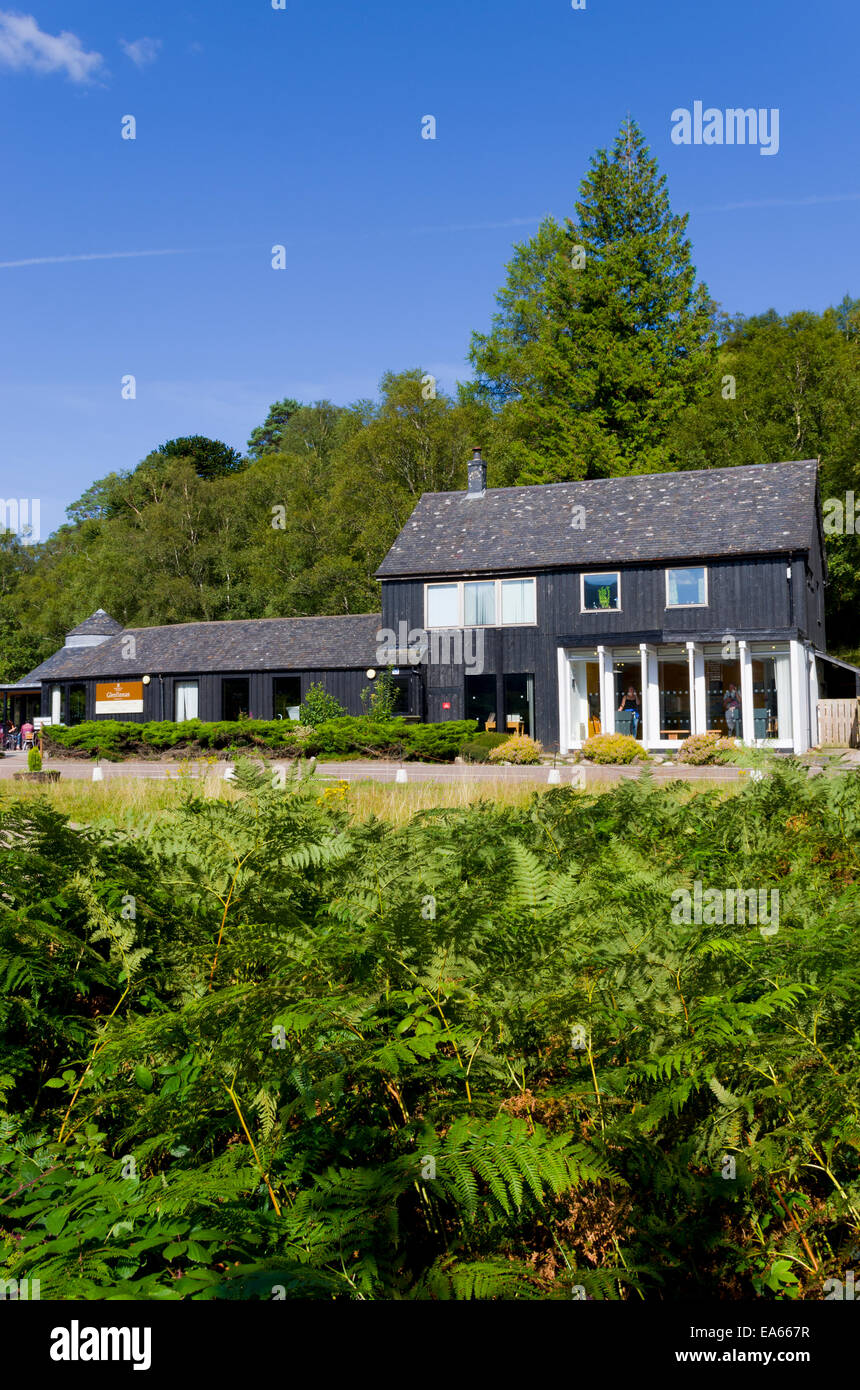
[[115, 740]]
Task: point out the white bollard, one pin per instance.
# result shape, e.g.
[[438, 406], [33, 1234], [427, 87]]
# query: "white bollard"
[[98, 775], [400, 775], [553, 777]]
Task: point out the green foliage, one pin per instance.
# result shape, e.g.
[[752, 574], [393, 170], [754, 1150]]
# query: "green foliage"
[[613, 748], [280, 1073], [699, 749], [519, 748], [115, 739], [318, 706], [477, 749], [210, 458], [380, 699], [34, 760]]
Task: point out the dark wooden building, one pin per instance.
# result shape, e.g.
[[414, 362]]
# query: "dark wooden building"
[[252, 668], [658, 605]]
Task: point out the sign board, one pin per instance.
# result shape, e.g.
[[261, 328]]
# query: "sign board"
[[41, 722], [446, 704], [119, 697]]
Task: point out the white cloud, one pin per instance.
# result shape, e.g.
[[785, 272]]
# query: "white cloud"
[[141, 51], [25, 48], [814, 200], [92, 256]]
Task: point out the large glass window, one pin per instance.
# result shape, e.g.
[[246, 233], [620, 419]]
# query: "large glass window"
[[481, 701], [286, 696], [400, 690], [77, 704], [443, 605], [686, 588], [518, 601], [673, 683], [234, 698], [771, 677], [585, 697], [479, 602], [601, 592], [185, 700], [519, 704], [628, 697], [723, 690]]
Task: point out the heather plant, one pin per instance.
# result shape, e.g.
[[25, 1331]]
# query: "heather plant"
[[267, 1045], [518, 749], [613, 748], [712, 747]]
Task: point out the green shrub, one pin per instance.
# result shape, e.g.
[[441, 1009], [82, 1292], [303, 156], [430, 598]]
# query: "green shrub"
[[707, 748], [318, 707], [517, 749], [438, 743], [613, 748], [34, 760], [346, 734], [477, 749], [380, 699]]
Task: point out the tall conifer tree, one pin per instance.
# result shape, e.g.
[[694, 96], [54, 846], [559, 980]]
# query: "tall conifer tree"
[[603, 335]]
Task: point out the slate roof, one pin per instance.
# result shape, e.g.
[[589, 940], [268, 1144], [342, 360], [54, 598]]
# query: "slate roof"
[[245, 644], [98, 624], [759, 509]]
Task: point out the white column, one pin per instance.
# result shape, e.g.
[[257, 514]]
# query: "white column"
[[654, 695], [747, 696], [563, 701], [701, 726], [607, 690], [813, 698], [799, 697], [643, 685], [691, 676]]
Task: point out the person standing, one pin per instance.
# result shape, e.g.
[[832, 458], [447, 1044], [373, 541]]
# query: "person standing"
[[732, 710], [630, 701]]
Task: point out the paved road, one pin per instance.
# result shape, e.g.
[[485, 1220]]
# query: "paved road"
[[380, 771]]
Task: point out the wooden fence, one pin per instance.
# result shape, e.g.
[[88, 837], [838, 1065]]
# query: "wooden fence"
[[839, 723]]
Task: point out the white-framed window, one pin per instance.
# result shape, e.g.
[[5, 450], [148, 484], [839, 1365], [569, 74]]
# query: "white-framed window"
[[518, 602], [443, 605], [185, 695], [600, 592], [687, 587], [481, 603]]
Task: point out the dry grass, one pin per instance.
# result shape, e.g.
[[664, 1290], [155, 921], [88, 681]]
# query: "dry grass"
[[132, 802]]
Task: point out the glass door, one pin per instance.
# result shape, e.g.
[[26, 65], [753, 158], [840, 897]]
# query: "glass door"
[[584, 700]]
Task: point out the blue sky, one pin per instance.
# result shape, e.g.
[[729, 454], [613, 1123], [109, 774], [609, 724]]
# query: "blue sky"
[[301, 126]]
